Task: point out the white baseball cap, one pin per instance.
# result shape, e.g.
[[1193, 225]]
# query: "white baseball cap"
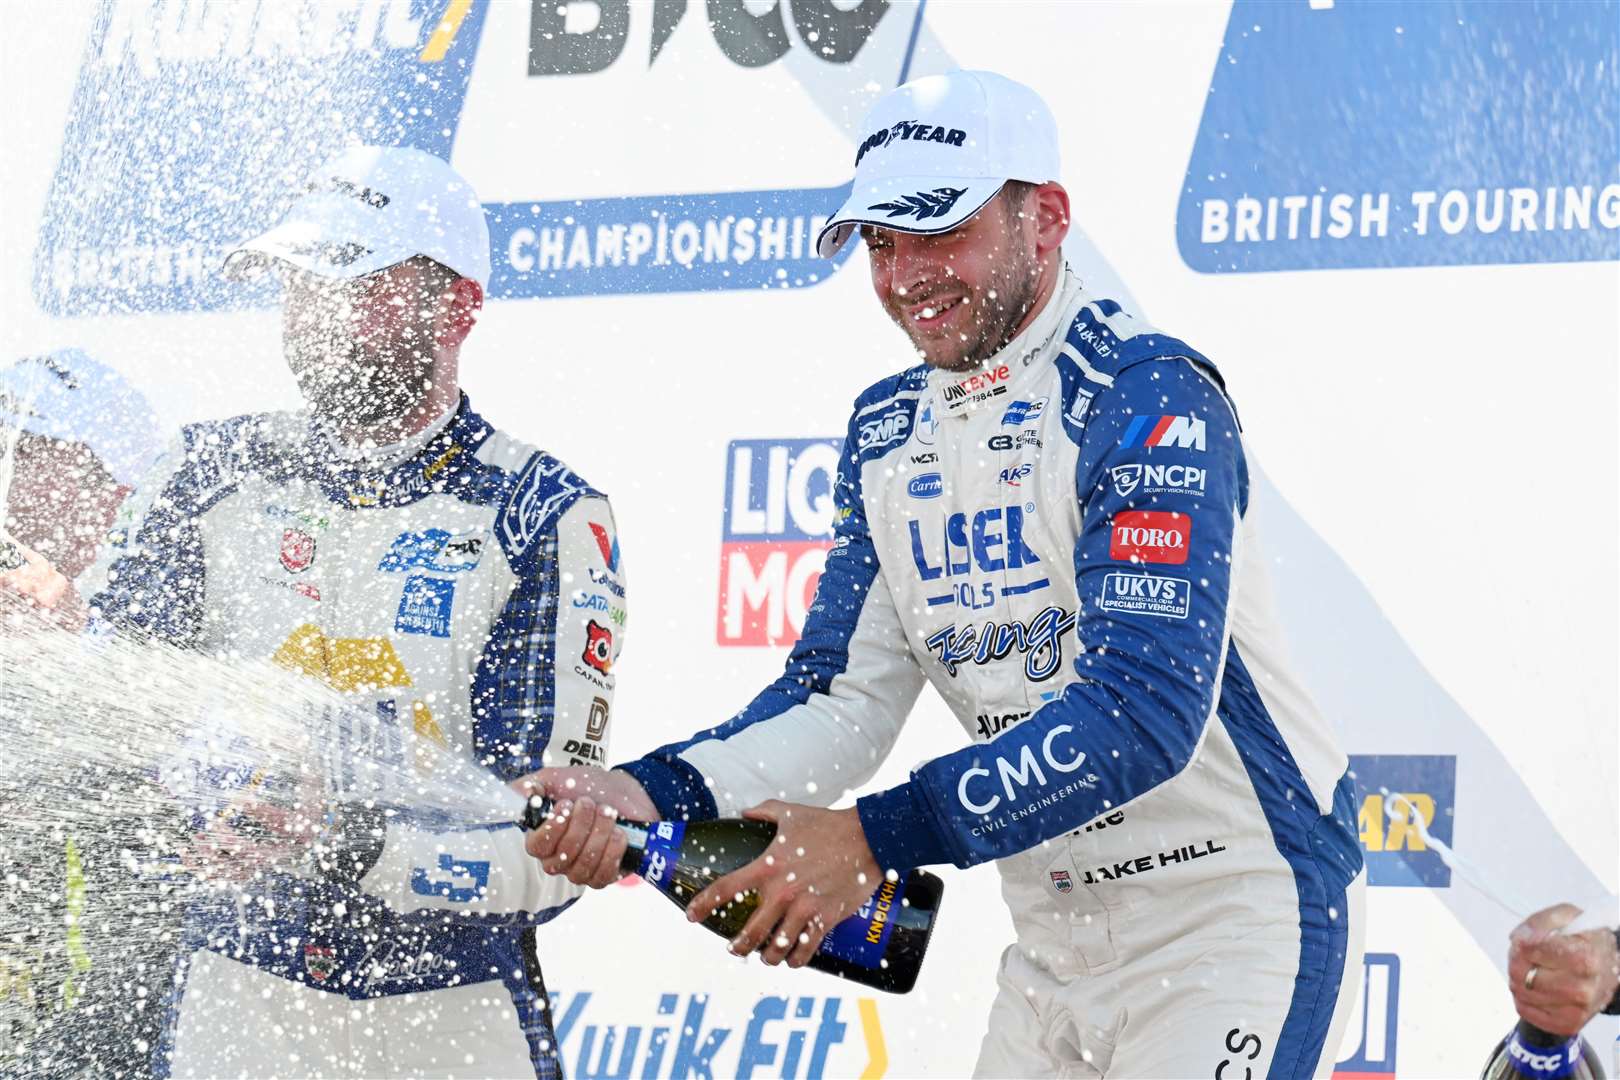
[[370, 208], [67, 396], [936, 149]]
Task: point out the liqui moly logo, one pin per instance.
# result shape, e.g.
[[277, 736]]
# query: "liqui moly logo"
[[1370, 1033], [778, 526], [1150, 536]]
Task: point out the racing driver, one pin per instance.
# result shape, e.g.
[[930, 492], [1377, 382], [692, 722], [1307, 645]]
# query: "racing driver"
[[1047, 520], [388, 540]]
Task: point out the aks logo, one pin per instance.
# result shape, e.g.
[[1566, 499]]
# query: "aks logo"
[[1186, 432], [399, 71], [1150, 536], [1410, 178], [1416, 787], [608, 546], [778, 528]]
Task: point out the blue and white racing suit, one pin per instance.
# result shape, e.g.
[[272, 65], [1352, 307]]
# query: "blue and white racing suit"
[[1059, 542], [464, 585]]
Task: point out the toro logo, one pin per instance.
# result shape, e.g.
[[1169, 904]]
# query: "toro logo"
[[1150, 536], [777, 530]]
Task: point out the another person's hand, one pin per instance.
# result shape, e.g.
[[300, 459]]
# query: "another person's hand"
[[818, 870], [579, 839], [28, 574], [1560, 981]]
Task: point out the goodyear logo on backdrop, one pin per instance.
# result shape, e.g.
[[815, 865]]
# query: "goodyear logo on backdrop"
[[1343, 134], [778, 526], [1394, 847], [1370, 1033], [193, 124], [695, 1034]]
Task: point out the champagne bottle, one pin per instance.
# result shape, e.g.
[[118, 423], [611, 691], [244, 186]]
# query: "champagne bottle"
[[1528, 1053], [880, 946]]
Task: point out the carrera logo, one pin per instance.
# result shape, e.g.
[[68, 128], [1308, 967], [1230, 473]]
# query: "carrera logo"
[[1150, 536], [926, 486], [977, 384], [1153, 479], [1186, 432]]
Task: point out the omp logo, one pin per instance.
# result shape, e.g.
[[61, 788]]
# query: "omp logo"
[[1416, 784], [886, 427], [777, 530], [399, 71], [1414, 179], [1370, 1034], [980, 790], [716, 1032], [1186, 432]]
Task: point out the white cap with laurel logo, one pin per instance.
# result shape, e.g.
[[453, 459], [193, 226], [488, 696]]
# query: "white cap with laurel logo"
[[935, 150]]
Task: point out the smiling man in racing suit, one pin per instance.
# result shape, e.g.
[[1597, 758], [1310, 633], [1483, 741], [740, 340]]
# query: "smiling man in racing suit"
[[1048, 521], [392, 543]]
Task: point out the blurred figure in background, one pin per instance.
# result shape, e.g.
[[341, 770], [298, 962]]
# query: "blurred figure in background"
[[76, 438]]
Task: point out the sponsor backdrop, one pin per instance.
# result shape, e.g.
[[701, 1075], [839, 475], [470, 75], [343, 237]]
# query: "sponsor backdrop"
[[1395, 227]]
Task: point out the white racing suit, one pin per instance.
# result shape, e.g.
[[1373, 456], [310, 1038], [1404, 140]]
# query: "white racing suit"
[[1059, 542], [470, 591]]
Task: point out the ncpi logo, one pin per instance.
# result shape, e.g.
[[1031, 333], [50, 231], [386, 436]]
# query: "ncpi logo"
[[778, 528], [196, 93]]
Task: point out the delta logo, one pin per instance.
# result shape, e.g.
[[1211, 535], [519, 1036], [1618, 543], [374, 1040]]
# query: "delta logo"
[[778, 522], [1395, 793], [1150, 536]]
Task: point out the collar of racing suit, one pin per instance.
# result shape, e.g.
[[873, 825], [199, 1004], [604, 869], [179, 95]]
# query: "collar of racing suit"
[[373, 457], [958, 393]]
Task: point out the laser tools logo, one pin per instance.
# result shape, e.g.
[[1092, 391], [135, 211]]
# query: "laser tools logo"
[[1344, 134], [628, 147]]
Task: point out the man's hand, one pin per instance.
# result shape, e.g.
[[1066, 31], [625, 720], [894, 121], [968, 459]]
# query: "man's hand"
[[43, 586], [579, 839], [818, 870], [1570, 977]]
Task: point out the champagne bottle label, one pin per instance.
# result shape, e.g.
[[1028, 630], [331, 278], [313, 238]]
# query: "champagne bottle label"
[[663, 848], [1544, 1063], [861, 938]]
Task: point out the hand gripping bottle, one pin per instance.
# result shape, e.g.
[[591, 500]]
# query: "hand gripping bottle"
[[1532, 1054], [880, 946]]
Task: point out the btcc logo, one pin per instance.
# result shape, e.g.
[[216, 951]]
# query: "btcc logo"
[[1180, 479], [1015, 776]]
